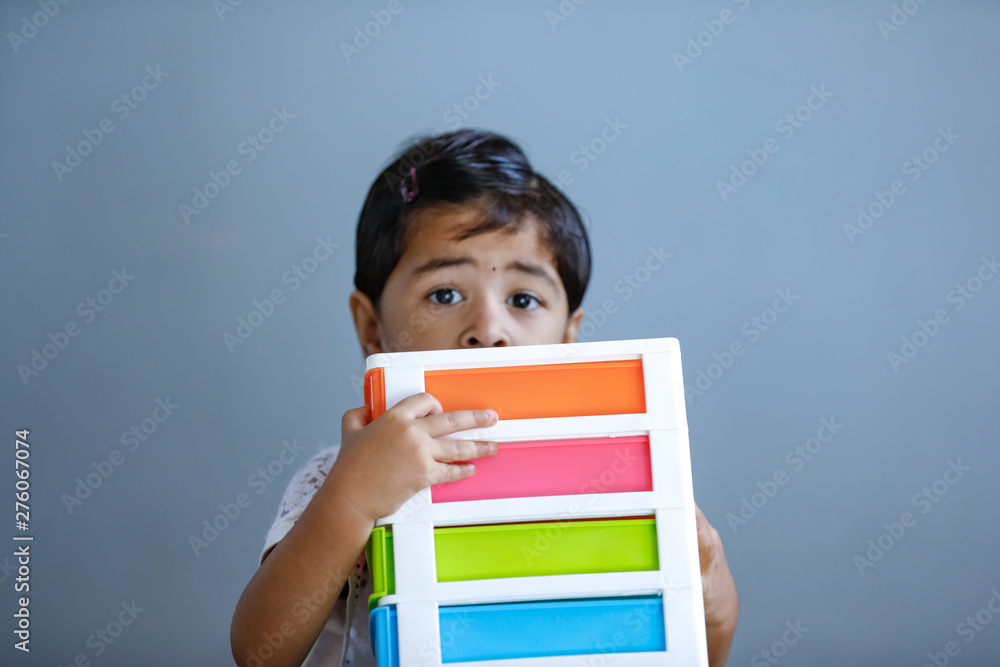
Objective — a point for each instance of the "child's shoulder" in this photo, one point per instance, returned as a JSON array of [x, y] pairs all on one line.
[[316, 467], [307, 480]]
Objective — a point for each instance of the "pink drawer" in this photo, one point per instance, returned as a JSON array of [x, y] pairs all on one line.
[[555, 468]]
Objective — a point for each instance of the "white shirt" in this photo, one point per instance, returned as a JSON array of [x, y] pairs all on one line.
[[332, 648]]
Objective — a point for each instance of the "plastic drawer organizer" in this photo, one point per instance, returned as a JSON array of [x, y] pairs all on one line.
[[576, 544]]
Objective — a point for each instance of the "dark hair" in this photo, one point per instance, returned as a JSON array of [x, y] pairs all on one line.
[[474, 168]]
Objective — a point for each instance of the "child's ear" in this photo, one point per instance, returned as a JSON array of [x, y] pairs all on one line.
[[573, 326], [366, 323]]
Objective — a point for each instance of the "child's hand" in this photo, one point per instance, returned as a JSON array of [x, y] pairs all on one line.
[[383, 463], [722, 606]]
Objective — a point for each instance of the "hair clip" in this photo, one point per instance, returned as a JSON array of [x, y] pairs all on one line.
[[410, 194]]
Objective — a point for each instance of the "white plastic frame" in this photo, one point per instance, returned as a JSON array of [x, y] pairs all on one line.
[[417, 593]]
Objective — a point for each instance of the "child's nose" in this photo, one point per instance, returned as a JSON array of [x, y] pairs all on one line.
[[486, 328]]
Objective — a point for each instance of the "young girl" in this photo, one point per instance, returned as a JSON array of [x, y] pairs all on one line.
[[459, 244]]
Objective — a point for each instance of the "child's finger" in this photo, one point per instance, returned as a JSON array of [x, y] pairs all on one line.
[[447, 423], [463, 450], [452, 472], [417, 406]]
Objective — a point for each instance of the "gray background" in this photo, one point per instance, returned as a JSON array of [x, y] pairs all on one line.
[[826, 357]]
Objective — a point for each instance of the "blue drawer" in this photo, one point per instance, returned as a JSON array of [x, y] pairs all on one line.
[[533, 629]]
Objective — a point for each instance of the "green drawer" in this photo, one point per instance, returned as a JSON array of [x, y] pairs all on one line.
[[465, 553]]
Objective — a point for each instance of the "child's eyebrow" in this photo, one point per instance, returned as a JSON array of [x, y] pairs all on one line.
[[532, 270], [436, 263]]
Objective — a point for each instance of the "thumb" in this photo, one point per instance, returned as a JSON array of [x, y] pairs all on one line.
[[708, 540], [354, 420]]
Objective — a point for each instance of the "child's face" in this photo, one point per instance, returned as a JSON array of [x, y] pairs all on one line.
[[493, 289]]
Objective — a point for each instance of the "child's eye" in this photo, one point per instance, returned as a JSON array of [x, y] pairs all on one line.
[[445, 296], [524, 300]]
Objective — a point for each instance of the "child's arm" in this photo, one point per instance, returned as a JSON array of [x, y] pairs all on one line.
[[722, 606], [380, 466]]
